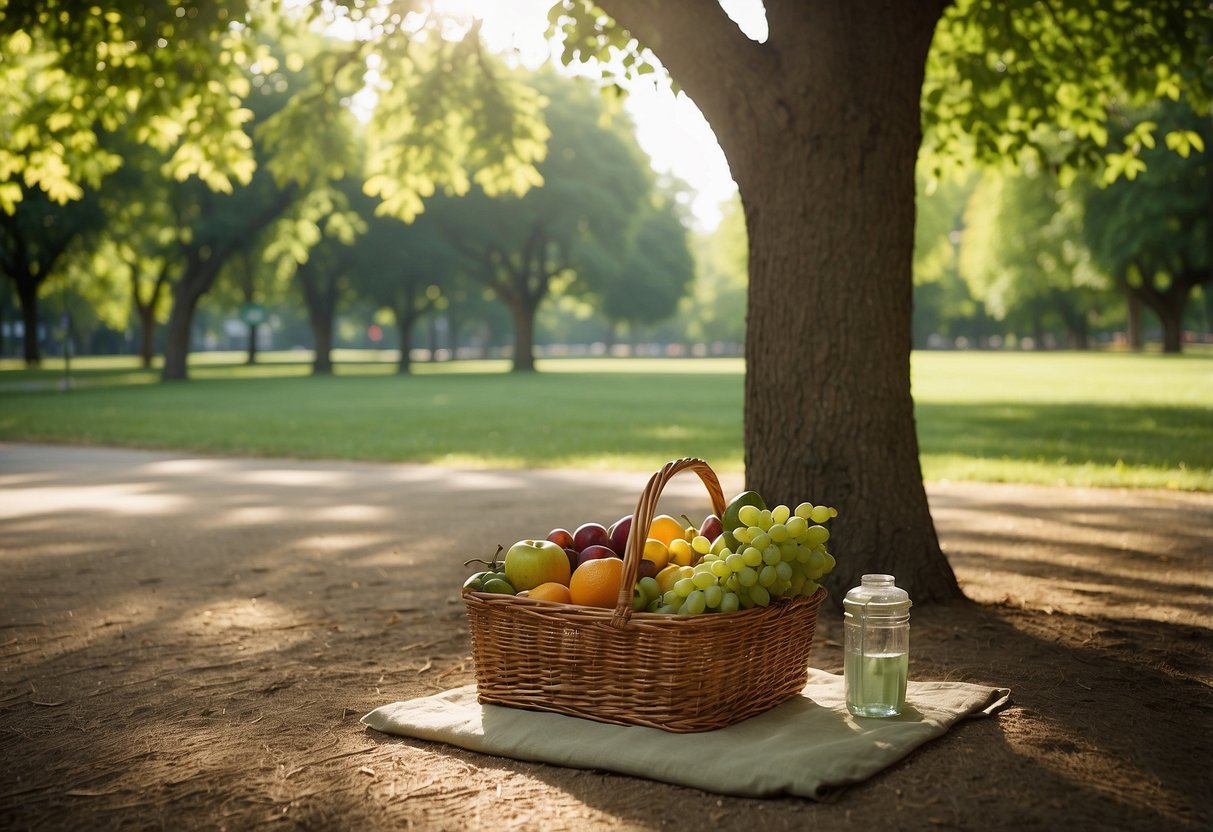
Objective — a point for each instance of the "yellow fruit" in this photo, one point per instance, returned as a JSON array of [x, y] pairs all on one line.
[[657, 552], [681, 552], [666, 529], [668, 576]]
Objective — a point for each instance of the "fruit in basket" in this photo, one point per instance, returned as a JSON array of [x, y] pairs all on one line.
[[551, 591], [497, 585], [768, 555], [711, 528], [666, 529], [618, 533], [596, 583], [657, 552], [590, 534], [475, 581], [529, 563], [562, 538], [681, 552], [595, 552], [730, 518]]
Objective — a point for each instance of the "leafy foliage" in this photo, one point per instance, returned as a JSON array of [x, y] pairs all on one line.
[[1005, 81]]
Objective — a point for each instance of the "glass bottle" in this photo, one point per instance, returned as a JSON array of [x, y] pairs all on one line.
[[876, 642]]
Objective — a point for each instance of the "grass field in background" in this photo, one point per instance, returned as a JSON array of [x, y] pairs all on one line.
[[1107, 419]]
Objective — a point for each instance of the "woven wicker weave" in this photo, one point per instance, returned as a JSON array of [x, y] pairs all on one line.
[[677, 673]]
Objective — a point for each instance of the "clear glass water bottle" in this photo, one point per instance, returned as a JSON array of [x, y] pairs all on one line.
[[876, 641]]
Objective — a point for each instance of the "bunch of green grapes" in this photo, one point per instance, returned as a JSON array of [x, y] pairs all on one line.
[[776, 553]]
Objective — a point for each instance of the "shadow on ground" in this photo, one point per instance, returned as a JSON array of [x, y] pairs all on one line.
[[189, 642]]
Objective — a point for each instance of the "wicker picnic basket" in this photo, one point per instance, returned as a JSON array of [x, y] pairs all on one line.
[[676, 673]]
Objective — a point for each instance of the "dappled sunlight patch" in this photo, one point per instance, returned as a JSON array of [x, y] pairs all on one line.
[[294, 477], [350, 514], [124, 499], [253, 515], [190, 467], [251, 615]]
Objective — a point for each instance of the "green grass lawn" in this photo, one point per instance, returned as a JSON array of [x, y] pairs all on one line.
[[1107, 419]]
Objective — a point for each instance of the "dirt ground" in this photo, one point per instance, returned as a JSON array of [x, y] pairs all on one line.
[[189, 642]]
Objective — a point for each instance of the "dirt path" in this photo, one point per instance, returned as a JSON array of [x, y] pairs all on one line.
[[189, 642]]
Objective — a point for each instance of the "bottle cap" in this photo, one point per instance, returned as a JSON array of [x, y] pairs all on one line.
[[877, 595]]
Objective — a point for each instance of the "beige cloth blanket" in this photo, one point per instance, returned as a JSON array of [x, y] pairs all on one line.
[[803, 746]]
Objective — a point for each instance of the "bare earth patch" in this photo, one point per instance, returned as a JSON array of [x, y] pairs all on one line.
[[189, 642]]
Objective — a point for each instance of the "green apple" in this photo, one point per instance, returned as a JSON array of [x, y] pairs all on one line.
[[529, 563]]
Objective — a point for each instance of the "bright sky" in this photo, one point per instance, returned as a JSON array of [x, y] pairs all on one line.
[[670, 128]]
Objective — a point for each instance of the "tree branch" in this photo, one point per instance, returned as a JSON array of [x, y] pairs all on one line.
[[682, 32]]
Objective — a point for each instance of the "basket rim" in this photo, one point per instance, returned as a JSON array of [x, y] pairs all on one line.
[[582, 613]]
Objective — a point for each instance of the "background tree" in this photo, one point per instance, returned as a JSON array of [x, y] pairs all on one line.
[[647, 284], [316, 247], [716, 307], [409, 269], [1021, 254], [1152, 232], [594, 186], [944, 308], [34, 240]]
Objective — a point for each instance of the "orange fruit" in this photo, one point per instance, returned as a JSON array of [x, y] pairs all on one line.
[[596, 583], [551, 591], [665, 528]]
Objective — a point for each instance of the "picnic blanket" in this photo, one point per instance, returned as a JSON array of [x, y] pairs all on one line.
[[804, 746]]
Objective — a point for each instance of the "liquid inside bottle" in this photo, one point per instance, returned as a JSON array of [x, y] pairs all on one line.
[[877, 642]]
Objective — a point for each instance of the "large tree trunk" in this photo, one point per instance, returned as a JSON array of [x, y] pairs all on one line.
[[821, 128], [320, 297], [322, 338], [523, 310], [405, 313], [201, 269], [1171, 320], [27, 297], [147, 335], [252, 345]]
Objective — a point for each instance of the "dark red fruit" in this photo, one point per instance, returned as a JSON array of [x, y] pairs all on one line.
[[590, 534], [562, 538], [618, 533], [594, 552]]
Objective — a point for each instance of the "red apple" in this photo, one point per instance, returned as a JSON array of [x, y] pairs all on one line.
[[618, 532], [574, 557], [711, 527], [590, 534], [647, 569], [562, 538], [594, 552]]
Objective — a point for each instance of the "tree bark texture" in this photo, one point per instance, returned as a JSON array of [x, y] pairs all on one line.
[[821, 128]]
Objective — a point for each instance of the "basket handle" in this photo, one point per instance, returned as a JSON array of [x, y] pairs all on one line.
[[646, 509]]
